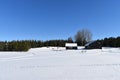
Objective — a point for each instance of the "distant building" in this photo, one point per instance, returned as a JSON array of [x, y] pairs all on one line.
[[93, 45], [71, 46]]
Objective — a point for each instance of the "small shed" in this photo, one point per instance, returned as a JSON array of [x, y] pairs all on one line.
[[71, 46], [93, 45]]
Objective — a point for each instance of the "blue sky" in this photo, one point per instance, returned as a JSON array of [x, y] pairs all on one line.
[[58, 19]]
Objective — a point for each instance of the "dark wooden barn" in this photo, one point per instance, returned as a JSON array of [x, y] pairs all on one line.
[[93, 45]]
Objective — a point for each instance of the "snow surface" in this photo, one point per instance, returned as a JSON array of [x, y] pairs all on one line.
[[71, 44], [56, 63]]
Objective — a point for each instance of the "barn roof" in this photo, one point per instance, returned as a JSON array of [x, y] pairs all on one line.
[[89, 43], [71, 44]]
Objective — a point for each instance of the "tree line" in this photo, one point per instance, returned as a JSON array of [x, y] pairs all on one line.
[[25, 45], [110, 42], [81, 38]]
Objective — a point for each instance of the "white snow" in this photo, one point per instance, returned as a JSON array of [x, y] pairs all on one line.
[[56, 63], [71, 44], [89, 43]]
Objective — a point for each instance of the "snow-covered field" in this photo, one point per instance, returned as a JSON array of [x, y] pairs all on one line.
[[60, 64]]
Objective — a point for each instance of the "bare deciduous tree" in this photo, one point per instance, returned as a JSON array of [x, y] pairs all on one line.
[[83, 36]]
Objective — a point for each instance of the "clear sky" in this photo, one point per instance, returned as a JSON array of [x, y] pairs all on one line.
[[58, 19]]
